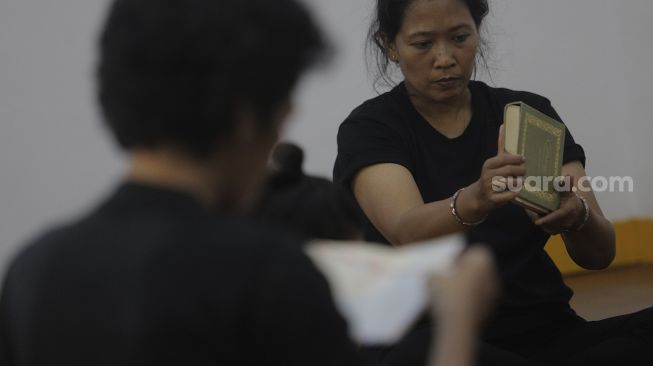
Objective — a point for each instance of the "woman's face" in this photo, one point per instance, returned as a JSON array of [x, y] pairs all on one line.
[[436, 49]]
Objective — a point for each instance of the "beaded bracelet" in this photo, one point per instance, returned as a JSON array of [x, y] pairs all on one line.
[[455, 213]]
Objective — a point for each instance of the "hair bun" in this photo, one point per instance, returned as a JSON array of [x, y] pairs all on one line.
[[287, 162]]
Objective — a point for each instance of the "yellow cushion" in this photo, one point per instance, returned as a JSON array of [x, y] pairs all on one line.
[[634, 246]]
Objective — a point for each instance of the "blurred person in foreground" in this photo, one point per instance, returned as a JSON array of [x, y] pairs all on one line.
[[163, 271]]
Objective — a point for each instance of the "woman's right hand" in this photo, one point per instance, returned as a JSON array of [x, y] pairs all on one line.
[[500, 182]]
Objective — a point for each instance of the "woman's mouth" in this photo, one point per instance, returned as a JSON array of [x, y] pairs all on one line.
[[447, 82]]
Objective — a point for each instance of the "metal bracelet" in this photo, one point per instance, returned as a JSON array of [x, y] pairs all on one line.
[[586, 216], [454, 198]]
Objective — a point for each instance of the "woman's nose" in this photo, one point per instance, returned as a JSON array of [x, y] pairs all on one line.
[[443, 57]]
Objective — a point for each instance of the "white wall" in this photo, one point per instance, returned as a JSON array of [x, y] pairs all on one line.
[[54, 158], [590, 57]]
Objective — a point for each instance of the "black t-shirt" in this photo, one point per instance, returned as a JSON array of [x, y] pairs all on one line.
[[388, 129], [153, 278]]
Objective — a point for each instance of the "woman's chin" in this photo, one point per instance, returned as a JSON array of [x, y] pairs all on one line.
[[450, 95]]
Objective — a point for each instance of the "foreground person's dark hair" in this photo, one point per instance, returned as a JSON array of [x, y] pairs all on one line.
[[172, 72]]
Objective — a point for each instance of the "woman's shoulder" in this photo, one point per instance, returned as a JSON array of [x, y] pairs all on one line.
[[503, 96], [382, 108]]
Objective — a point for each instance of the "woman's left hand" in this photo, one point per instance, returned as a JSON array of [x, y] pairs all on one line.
[[591, 240], [567, 217]]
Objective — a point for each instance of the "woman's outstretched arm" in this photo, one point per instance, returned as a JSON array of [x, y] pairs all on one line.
[[390, 198]]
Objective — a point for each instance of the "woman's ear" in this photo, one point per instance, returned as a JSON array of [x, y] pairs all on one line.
[[389, 46]]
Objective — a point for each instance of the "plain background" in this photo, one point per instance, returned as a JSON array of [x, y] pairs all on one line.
[[592, 58]]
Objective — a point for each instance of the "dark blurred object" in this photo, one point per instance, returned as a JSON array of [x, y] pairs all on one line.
[[311, 207]]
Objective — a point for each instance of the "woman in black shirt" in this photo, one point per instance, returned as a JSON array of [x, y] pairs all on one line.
[[421, 161]]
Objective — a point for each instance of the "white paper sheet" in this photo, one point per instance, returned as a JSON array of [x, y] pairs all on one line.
[[382, 290]]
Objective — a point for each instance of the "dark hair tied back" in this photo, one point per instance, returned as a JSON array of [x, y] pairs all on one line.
[[287, 161], [308, 206]]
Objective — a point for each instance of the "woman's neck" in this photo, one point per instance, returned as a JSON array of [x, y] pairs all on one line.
[[450, 117]]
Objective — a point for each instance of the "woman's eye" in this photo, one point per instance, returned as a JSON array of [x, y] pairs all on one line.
[[461, 38], [422, 45]]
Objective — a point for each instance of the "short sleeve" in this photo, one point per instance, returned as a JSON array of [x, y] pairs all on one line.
[[363, 142], [573, 151], [298, 321]]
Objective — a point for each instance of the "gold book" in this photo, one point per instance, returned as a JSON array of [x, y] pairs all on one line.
[[541, 139]]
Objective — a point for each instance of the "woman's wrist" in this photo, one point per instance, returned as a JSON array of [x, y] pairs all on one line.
[[475, 202], [465, 207], [583, 217]]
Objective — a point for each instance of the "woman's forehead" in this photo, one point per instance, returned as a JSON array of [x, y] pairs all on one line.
[[436, 16]]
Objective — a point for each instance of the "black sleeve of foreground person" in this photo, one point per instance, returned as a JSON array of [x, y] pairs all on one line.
[[299, 321], [4, 339]]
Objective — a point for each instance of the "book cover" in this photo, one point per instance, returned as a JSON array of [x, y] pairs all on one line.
[[541, 139]]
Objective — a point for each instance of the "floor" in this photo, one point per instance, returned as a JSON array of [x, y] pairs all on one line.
[[612, 292]]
